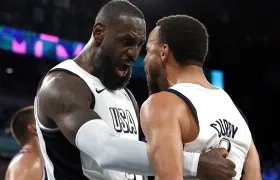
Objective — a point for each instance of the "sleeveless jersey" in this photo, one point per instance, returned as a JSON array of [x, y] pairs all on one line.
[[63, 160], [221, 124]]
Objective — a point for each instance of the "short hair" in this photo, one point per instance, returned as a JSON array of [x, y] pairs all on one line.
[[19, 124], [111, 11], [186, 37]]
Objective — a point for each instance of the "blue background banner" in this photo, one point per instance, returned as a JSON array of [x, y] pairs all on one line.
[[52, 47]]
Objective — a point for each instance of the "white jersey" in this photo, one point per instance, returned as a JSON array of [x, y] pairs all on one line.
[[220, 123], [65, 161]]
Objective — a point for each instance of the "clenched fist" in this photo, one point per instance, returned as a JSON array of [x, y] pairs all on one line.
[[213, 165]]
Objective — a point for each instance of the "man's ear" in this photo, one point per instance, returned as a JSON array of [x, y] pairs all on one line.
[[98, 33], [164, 53]]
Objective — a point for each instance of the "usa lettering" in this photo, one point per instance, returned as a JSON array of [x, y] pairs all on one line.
[[224, 128], [123, 121]]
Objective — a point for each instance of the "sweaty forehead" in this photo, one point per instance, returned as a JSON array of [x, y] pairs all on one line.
[[128, 24]]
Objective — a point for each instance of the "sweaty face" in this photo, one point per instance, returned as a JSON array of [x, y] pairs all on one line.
[[119, 51], [154, 66]]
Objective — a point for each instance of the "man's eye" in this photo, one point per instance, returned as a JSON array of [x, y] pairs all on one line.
[[129, 42]]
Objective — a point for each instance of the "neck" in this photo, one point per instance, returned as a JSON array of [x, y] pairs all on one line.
[[33, 146], [86, 58], [187, 74]]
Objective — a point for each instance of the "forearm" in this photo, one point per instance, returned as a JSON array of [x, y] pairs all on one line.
[[166, 153], [190, 166], [97, 140]]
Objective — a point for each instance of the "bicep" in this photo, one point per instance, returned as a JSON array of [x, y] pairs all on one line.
[[165, 146], [67, 103], [70, 122], [160, 120], [159, 131], [162, 129]]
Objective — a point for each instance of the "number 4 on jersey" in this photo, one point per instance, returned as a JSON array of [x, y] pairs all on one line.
[[225, 143]]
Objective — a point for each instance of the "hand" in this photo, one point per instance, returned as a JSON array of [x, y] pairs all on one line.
[[213, 165]]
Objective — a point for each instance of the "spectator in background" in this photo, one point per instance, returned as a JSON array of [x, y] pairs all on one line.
[[28, 162]]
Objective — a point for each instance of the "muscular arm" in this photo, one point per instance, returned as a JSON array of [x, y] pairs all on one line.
[[24, 167], [66, 100], [252, 165], [160, 116]]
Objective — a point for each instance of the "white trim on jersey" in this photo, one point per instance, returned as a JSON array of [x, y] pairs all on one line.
[[48, 163]]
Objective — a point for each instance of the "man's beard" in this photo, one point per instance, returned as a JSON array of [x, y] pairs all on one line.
[[156, 81], [105, 69]]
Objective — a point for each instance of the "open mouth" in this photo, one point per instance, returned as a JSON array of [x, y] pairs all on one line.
[[122, 69]]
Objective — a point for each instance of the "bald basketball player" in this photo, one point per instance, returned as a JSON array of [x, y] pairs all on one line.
[[28, 162], [87, 119], [184, 108]]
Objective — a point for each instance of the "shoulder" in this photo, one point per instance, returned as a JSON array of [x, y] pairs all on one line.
[[161, 107], [60, 89], [62, 82], [163, 101], [27, 163]]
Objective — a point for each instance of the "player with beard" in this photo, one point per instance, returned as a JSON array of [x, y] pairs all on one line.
[[184, 108], [87, 120]]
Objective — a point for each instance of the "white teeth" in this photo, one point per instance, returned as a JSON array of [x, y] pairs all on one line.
[[128, 64], [124, 72]]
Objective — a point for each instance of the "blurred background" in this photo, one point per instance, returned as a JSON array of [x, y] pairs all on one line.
[[35, 35]]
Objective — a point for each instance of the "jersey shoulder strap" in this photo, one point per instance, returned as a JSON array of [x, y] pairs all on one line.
[[242, 114], [137, 111], [134, 102], [136, 108]]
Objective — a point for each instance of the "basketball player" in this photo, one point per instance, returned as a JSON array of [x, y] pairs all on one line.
[[185, 108], [28, 162], [87, 123]]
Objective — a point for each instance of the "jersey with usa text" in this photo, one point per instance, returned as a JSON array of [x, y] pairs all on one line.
[[65, 161], [221, 124]]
